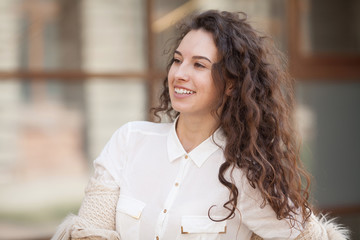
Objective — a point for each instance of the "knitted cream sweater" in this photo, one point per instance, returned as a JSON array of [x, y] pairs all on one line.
[[96, 219]]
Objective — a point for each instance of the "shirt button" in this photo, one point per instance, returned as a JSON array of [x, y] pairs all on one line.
[[186, 156], [176, 184], [165, 211]]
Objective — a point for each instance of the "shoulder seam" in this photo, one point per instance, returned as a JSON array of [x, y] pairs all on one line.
[[148, 132]]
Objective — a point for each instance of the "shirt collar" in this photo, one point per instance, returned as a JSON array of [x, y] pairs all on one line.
[[199, 154]]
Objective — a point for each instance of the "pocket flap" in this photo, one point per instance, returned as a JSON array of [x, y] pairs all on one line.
[[201, 224], [130, 206]]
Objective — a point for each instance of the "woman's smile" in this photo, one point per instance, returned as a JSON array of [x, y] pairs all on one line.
[[181, 92]]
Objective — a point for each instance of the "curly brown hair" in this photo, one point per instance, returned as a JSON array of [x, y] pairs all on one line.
[[257, 113]]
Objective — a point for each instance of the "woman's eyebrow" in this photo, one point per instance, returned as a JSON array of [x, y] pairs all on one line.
[[201, 57], [195, 57]]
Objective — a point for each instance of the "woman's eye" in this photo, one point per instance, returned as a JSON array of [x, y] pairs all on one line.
[[176, 60], [199, 65]]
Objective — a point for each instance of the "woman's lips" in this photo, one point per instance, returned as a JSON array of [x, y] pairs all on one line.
[[179, 90]]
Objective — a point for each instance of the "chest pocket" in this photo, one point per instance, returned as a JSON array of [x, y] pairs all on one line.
[[128, 217], [201, 228]]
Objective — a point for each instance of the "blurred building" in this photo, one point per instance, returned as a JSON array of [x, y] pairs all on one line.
[[72, 72]]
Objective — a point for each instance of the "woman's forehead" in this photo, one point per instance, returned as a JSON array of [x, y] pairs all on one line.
[[198, 42]]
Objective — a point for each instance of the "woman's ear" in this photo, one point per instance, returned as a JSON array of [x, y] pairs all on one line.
[[229, 88]]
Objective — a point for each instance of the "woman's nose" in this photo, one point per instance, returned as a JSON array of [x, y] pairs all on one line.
[[182, 72]]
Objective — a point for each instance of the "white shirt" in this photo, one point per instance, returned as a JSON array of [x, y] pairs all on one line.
[[166, 193]]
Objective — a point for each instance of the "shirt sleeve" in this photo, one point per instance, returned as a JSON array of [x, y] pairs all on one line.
[[262, 220], [108, 166]]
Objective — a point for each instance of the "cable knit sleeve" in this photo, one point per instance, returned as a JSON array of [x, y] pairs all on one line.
[[96, 217]]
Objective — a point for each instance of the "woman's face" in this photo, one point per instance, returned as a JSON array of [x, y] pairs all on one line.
[[191, 87]]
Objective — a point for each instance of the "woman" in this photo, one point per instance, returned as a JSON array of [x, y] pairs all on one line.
[[227, 167]]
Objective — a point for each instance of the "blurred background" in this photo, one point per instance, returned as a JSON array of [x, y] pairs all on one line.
[[72, 72]]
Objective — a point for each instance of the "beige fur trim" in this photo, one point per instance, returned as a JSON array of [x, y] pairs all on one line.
[[334, 231], [320, 228], [63, 231]]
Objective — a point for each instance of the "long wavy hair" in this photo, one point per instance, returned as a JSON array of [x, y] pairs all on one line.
[[256, 116]]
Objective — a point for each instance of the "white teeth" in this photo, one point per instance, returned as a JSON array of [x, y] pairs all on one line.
[[183, 91]]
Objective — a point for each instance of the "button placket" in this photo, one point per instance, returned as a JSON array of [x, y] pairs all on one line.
[[161, 223]]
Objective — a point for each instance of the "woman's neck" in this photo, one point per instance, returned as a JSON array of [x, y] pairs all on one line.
[[192, 131]]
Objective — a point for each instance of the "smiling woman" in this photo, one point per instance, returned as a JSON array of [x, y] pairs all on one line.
[[227, 167], [191, 87]]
